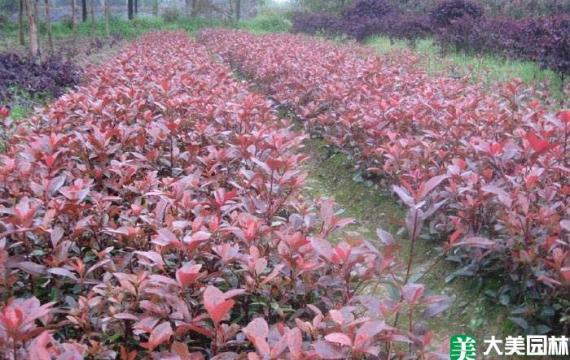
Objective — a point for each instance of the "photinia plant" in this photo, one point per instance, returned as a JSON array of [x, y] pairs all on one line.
[[484, 171], [156, 212]]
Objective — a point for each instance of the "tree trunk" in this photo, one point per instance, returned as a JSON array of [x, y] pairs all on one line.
[[21, 23], [37, 16], [238, 10], [73, 19], [136, 7], [107, 18], [155, 7], [33, 27], [92, 13], [84, 10], [48, 25], [130, 9], [194, 11]]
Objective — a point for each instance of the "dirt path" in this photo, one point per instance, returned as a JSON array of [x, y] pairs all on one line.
[[333, 175]]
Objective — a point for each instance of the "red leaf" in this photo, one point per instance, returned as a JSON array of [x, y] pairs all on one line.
[[502, 195], [159, 335], [431, 184], [188, 274], [404, 195], [339, 338], [257, 331], [368, 331], [327, 350], [322, 247], [295, 342], [413, 292], [217, 305], [539, 145], [165, 237], [565, 271]]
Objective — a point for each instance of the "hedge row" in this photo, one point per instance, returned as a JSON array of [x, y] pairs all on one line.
[[457, 24], [486, 173], [156, 213]]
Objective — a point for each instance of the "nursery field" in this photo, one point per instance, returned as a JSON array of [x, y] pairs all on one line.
[[157, 211], [187, 193], [484, 172]]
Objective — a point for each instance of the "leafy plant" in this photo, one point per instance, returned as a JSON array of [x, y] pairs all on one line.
[[367, 9], [50, 77], [483, 171], [156, 212], [448, 11]]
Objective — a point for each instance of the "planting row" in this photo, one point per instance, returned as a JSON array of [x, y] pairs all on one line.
[[487, 173], [456, 24], [156, 213]]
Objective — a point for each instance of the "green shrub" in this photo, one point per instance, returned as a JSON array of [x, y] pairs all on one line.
[[267, 21], [170, 15]]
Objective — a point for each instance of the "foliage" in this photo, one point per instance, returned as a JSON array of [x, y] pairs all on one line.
[[395, 26], [49, 77], [458, 25], [485, 172], [545, 40], [267, 21], [156, 213], [170, 15], [548, 41], [501, 8], [313, 23], [367, 9], [448, 11], [485, 69]]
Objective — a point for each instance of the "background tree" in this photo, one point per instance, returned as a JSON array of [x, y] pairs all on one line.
[[48, 25], [130, 9], [74, 19], [84, 10], [31, 10], [21, 22], [155, 7], [92, 13], [107, 10], [191, 7], [238, 10], [194, 8]]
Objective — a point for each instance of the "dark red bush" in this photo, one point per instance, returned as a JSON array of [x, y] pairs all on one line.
[[50, 77], [367, 9], [547, 40], [313, 23], [447, 11]]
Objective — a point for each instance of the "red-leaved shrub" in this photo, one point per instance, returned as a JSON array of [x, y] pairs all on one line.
[[156, 213], [485, 171]]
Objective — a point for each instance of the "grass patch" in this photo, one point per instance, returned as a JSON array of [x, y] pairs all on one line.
[[333, 174], [133, 28], [486, 68], [268, 21], [19, 112]]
